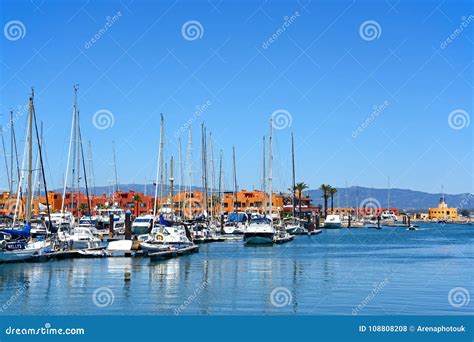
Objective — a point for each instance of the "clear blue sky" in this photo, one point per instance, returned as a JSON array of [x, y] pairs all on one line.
[[319, 68]]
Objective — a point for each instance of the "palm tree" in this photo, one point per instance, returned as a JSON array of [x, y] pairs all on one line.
[[332, 192], [82, 208], [325, 189], [299, 188], [137, 199]]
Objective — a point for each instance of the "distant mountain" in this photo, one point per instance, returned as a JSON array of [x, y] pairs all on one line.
[[399, 198]]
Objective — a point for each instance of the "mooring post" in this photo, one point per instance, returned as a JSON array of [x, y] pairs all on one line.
[[378, 221], [409, 221], [128, 225], [318, 221], [349, 221], [111, 224], [222, 223]]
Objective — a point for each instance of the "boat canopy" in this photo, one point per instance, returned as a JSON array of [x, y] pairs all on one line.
[[237, 217], [21, 233]]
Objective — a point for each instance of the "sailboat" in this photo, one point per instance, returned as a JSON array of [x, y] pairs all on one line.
[[260, 230], [17, 245]]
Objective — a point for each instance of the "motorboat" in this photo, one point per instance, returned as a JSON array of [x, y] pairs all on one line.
[[259, 232], [236, 223], [103, 219], [333, 222], [81, 238], [143, 224]]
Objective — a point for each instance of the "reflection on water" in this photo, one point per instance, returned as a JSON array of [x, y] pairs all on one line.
[[331, 273]]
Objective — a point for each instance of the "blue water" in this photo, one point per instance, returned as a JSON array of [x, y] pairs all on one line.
[[339, 272]]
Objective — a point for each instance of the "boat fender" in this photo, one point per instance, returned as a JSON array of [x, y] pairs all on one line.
[[159, 237]]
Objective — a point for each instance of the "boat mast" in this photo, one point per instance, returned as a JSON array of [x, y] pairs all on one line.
[[190, 175], [294, 176], [172, 187], [115, 172], [220, 181], [91, 168], [234, 179], [180, 162], [89, 204], [204, 169], [40, 153], [264, 179], [162, 159], [388, 196], [159, 177], [211, 165], [12, 182], [15, 150], [71, 139], [30, 161], [6, 162], [270, 171]]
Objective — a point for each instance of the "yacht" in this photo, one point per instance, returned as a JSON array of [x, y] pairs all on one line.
[[259, 232], [143, 224], [81, 238], [165, 236], [333, 222], [103, 219], [236, 223]]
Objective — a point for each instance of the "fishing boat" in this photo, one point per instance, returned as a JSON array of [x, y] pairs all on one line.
[[333, 222]]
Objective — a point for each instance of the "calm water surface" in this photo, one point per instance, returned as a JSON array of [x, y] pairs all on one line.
[[339, 272]]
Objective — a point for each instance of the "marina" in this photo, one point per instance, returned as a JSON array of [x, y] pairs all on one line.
[[328, 274]]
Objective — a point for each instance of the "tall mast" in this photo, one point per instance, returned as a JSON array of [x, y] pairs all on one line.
[[190, 170], [294, 175], [162, 158], [159, 169], [204, 170], [30, 161], [115, 170], [264, 179], [71, 139], [180, 162], [89, 204], [270, 171], [10, 185], [220, 180], [172, 187], [15, 150], [12, 182], [234, 179], [78, 166], [91, 167], [388, 196], [211, 165]]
